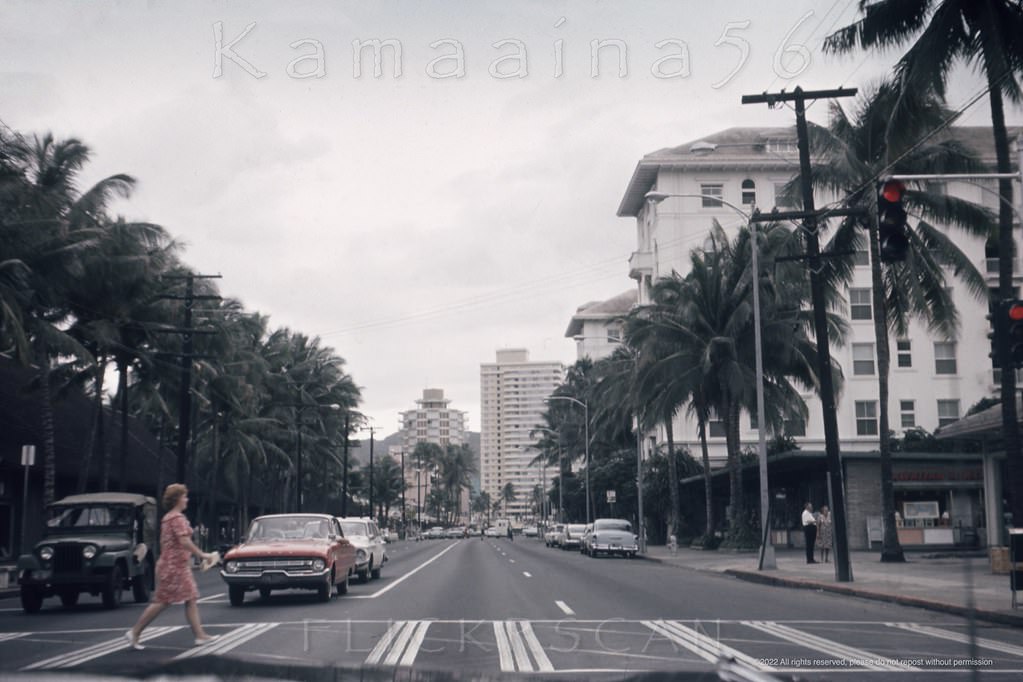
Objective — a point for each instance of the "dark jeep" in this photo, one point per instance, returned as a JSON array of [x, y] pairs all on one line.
[[100, 543]]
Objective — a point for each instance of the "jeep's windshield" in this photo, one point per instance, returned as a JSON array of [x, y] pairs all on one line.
[[89, 516]]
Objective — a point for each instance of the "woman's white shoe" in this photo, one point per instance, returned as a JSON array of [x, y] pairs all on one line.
[[132, 642], [199, 641]]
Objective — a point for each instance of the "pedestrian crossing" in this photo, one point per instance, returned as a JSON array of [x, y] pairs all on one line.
[[543, 646]]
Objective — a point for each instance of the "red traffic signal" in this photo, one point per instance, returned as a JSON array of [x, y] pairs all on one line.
[[1013, 320], [891, 221]]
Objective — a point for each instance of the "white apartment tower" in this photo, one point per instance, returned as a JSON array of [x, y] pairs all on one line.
[[512, 395], [431, 421], [933, 380]]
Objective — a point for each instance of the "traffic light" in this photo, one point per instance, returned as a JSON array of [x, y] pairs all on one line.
[[1007, 334], [891, 221], [1012, 312]]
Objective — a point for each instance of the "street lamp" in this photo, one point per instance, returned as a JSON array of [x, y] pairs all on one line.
[[561, 478], [767, 560], [586, 435], [299, 407]]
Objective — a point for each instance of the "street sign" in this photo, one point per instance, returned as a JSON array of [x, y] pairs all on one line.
[[611, 494], [28, 455]]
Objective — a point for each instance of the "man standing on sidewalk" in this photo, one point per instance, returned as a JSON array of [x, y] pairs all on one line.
[[809, 531]]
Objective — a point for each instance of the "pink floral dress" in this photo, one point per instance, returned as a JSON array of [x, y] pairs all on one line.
[[174, 581]]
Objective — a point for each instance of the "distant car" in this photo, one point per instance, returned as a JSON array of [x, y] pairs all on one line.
[[290, 551], [435, 533], [456, 532], [555, 535], [611, 536], [530, 532], [495, 532], [369, 545], [573, 536], [100, 543]]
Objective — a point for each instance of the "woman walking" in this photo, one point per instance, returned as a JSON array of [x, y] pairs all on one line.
[[824, 533], [174, 581]]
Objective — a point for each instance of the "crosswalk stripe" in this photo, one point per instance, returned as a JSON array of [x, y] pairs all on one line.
[[229, 641], [79, 656], [504, 652], [417, 641], [703, 646], [992, 644], [8, 636], [543, 663], [518, 647], [859, 657], [400, 642], [381, 648]]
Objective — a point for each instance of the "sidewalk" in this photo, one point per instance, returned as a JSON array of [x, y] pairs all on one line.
[[935, 582]]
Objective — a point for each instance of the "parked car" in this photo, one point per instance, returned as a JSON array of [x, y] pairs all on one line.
[[290, 551], [555, 535], [495, 532], [573, 537], [100, 543], [369, 545], [611, 536], [435, 533], [456, 532], [530, 532]]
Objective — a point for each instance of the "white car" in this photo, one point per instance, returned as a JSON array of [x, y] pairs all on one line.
[[530, 532], [369, 545]]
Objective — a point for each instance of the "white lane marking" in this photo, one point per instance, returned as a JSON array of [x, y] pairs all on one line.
[[512, 560], [565, 607], [212, 597], [79, 656], [417, 642], [858, 657], [400, 642], [384, 643], [527, 574], [8, 636], [703, 646], [993, 644], [504, 652], [408, 575], [518, 647], [543, 663], [230, 641]]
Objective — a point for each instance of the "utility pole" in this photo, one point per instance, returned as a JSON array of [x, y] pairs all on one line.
[[403, 520], [186, 357], [344, 475], [843, 570], [371, 472]]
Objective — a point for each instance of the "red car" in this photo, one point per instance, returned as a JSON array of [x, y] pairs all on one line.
[[290, 551]]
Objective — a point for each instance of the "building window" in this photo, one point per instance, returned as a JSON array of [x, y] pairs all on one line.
[[749, 192], [861, 257], [904, 351], [713, 190], [948, 412], [795, 427], [614, 334], [754, 421], [717, 428], [781, 199], [866, 418], [944, 357], [860, 305], [863, 359], [907, 410]]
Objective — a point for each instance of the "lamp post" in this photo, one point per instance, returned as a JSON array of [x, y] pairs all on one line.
[[561, 480], [586, 444], [299, 407], [404, 532], [767, 549]]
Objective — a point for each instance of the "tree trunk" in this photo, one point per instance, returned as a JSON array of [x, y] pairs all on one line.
[[49, 439], [891, 550], [669, 431], [101, 440], [707, 481], [731, 418], [122, 393]]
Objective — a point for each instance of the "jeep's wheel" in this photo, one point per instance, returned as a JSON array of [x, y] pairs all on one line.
[[342, 587], [264, 593], [69, 598], [374, 571], [114, 588], [140, 584], [236, 595], [31, 599]]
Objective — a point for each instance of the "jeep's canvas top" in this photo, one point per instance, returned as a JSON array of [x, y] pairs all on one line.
[[106, 498]]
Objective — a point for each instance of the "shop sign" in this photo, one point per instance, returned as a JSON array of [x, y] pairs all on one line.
[[939, 475]]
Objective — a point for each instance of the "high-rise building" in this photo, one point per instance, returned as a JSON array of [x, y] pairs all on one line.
[[431, 421], [513, 392]]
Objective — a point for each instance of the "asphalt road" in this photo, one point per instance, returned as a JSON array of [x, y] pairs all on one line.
[[498, 606]]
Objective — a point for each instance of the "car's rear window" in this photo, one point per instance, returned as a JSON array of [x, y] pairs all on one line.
[[613, 525]]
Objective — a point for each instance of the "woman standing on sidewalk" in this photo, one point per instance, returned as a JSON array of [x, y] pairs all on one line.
[[824, 532], [174, 581]]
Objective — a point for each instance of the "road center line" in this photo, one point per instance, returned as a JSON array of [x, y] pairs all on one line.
[[527, 574], [565, 607], [404, 577]]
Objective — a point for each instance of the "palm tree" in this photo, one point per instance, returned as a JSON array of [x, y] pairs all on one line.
[[859, 148], [481, 504], [456, 468], [507, 496], [943, 33]]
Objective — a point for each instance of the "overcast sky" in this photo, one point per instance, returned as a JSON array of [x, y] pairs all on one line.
[[415, 222]]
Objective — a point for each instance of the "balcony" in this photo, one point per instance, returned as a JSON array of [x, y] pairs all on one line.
[[990, 267], [641, 263]]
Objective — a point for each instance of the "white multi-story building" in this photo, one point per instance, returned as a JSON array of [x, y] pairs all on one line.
[[513, 391], [431, 421], [596, 326], [933, 380]]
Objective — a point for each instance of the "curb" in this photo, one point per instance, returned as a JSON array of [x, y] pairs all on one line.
[[942, 607]]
